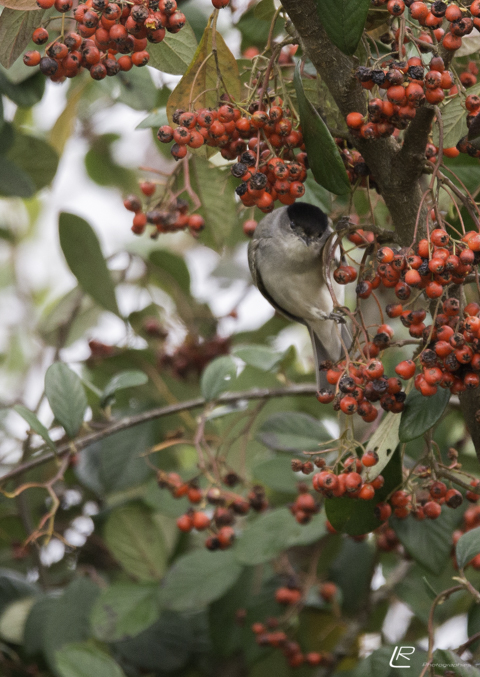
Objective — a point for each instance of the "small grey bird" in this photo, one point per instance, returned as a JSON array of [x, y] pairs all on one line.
[[286, 258]]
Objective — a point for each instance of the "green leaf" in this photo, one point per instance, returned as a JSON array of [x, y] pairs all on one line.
[[172, 272], [454, 120], [163, 502], [429, 542], [258, 356], [35, 425], [124, 610], [81, 249], [198, 578], [272, 533], [34, 630], [126, 379], [156, 119], [81, 659], [14, 182], [25, 94], [344, 21], [66, 397], [276, 474], [102, 168], [421, 413], [354, 581], [137, 89], [326, 164], [14, 618], [68, 619], [13, 587], [292, 431], [474, 624], [20, 4], [467, 547], [199, 82], [356, 517], [378, 664], [136, 542], [264, 10], [15, 33], [451, 661], [217, 377], [175, 53], [384, 441]]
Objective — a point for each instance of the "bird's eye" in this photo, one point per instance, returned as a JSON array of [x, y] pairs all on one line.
[[292, 225]]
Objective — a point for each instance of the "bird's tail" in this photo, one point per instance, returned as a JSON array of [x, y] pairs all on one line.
[[327, 345]]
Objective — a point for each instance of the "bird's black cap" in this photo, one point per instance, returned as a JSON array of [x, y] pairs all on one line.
[[307, 219]]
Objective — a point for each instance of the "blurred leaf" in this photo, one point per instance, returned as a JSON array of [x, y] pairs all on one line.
[[126, 379], [163, 502], [66, 397], [16, 30], [136, 542], [13, 587], [175, 53], [68, 318], [102, 168], [264, 10], [19, 4], [7, 135], [64, 125], [217, 196], [467, 547], [258, 356], [25, 94], [428, 542], [470, 44], [254, 31], [448, 659], [317, 195], [272, 533], [35, 425], [168, 645], [354, 581], [156, 119], [276, 474], [14, 618], [124, 610], [34, 630], [325, 160], [378, 664], [137, 89], [114, 464], [13, 181], [421, 413], [344, 21], [454, 121], [68, 619], [474, 624], [85, 259], [82, 659], [356, 517], [199, 83], [292, 431], [168, 268], [384, 441], [35, 157], [198, 578], [217, 377]]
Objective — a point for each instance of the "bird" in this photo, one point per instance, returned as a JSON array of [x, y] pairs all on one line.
[[287, 260]]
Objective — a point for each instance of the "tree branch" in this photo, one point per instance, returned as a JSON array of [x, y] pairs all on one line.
[[159, 412]]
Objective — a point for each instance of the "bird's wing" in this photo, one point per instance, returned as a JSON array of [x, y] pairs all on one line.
[[254, 250]]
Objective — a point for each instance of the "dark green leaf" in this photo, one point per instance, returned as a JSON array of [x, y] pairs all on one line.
[[276, 474], [429, 542], [126, 379], [15, 33], [82, 659], [35, 157], [13, 586], [137, 89], [85, 259], [292, 431], [356, 517], [171, 270], [124, 610], [326, 164], [35, 425], [175, 53], [68, 619], [354, 581], [102, 168], [421, 413], [264, 10], [344, 21], [136, 542], [25, 94], [273, 533], [14, 182], [258, 356], [156, 119], [66, 397], [474, 624], [34, 631], [198, 578], [378, 663], [217, 377], [467, 547], [7, 136]]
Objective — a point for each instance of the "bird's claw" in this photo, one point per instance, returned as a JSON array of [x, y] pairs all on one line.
[[335, 316]]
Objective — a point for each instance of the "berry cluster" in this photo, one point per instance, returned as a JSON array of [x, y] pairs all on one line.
[[165, 219], [193, 355], [472, 104], [350, 482], [406, 87], [262, 142], [227, 506], [104, 30]]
